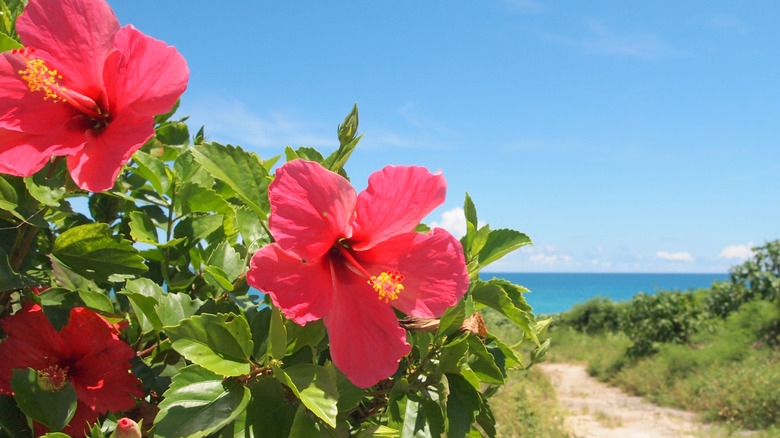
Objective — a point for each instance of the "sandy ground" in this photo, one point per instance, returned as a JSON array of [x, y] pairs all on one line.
[[594, 409]]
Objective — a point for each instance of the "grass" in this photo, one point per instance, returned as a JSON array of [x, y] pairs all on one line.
[[528, 407]]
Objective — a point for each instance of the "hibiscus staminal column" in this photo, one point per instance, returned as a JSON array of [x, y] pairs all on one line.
[[351, 259], [53, 377]]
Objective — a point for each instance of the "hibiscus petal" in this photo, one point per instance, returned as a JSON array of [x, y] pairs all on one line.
[[23, 110], [78, 34], [396, 200], [311, 208], [433, 266], [144, 75], [96, 166], [366, 342], [23, 154], [31, 342], [100, 363], [81, 421], [304, 291]]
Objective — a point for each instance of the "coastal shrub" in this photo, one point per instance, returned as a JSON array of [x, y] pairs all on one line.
[[761, 275], [665, 317], [593, 316], [723, 298]]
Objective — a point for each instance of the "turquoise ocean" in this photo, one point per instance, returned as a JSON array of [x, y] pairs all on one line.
[[554, 293]]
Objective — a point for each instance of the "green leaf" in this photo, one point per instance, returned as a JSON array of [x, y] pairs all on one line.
[[187, 169], [221, 343], [378, 431], [452, 353], [277, 335], [194, 198], [144, 294], [499, 243], [227, 259], [173, 133], [53, 409], [198, 403], [483, 363], [470, 211], [304, 426], [252, 231], [96, 300], [91, 251], [416, 423], [463, 405], [508, 299], [12, 420], [152, 170], [142, 228], [239, 169], [452, 319], [272, 416], [174, 307], [8, 278], [48, 186], [7, 43], [194, 229], [217, 278], [315, 386]]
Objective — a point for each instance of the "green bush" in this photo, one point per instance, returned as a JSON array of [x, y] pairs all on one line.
[[593, 316], [665, 317]]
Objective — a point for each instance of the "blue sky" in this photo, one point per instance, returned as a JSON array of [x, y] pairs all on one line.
[[620, 136]]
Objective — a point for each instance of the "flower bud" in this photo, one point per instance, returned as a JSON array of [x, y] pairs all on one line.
[[127, 428]]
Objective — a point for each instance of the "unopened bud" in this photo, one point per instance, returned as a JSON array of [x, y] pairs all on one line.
[[127, 428]]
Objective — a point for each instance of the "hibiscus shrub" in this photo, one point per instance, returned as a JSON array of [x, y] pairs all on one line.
[[200, 290]]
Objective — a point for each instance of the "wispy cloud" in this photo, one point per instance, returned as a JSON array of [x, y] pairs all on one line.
[[601, 40], [523, 6], [638, 45], [233, 122], [742, 252], [675, 256], [420, 131], [726, 23]]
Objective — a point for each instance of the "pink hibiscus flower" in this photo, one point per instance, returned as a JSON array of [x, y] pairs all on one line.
[[349, 259], [87, 352], [84, 88]]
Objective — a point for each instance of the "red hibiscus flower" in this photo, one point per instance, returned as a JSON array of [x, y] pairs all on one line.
[[84, 88], [87, 352], [350, 259]]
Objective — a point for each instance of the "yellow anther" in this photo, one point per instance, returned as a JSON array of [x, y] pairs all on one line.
[[40, 78], [388, 285]]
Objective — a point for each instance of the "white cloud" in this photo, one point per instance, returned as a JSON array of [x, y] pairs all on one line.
[[676, 256], [453, 221], [742, 252]]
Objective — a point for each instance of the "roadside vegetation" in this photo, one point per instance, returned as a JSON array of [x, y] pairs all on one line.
[[714, 351]]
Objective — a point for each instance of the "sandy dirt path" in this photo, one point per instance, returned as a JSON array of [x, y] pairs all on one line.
[[594, 409]]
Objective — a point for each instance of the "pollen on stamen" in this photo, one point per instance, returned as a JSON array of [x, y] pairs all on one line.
[[387, 285], [40, 78]]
